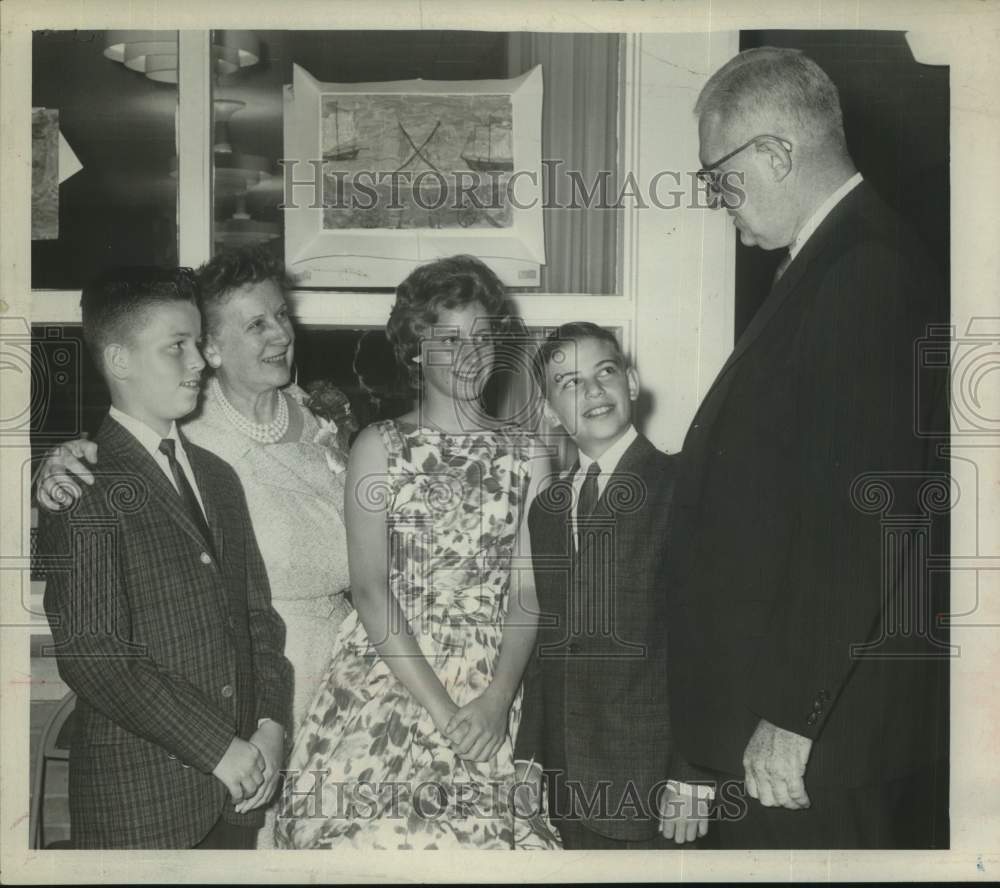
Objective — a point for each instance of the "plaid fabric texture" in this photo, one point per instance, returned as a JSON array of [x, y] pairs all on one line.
[[171, 652]]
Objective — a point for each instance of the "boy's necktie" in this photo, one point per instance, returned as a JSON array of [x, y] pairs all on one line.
[[588, 493], [186, 492]]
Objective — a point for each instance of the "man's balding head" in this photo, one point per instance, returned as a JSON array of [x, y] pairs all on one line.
[[777, 91], [771, 120]]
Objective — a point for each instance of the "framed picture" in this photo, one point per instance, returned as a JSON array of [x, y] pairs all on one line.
[[382, 177]]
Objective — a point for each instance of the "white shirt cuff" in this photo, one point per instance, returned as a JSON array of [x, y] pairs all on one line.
[[702, 791]]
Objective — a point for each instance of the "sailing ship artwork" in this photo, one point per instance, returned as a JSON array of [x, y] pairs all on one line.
[[340, 136], [490, 147], [405, 161]]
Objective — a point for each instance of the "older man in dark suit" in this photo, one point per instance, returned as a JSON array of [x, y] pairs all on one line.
[[797, 666]]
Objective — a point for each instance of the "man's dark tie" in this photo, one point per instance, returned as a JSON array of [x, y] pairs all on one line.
[[588, 493], [186, 491]]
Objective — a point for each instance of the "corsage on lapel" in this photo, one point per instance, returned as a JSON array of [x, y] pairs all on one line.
[[327, 438], [337, 425]]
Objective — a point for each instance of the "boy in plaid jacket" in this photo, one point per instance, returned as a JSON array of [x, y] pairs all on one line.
[[162, 619]]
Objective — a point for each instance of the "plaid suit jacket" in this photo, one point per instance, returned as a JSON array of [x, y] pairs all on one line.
[[171, 650]]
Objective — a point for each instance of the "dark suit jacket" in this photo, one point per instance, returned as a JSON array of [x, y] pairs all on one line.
[[595, 702], [171, 652], [777, 567]]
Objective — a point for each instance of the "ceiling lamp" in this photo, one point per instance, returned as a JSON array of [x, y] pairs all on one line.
[[242, 229], [234, 172], [154, 53]]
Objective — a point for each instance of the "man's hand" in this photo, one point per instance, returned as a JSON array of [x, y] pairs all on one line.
[[269, 738], [56, 488], [683, 815], [775, 765], [477, 731], [527, 789], [241, 769]]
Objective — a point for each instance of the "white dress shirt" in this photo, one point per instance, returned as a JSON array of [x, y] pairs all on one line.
[[608, 461], [822, 211], [150, 441]]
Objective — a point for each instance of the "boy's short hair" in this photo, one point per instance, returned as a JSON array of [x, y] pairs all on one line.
[[572, 332], [114, 305]]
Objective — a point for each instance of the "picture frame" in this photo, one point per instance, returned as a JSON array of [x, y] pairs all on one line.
[[380, 178]]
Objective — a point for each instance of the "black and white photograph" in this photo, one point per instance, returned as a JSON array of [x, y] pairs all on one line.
[[564, 428]]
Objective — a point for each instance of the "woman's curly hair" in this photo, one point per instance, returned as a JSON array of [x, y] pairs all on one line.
[[233, 269], [450, 283]]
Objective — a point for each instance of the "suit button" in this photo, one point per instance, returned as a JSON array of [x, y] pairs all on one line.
[[812, 719], [171, 756], [227, 691], [205, 558]]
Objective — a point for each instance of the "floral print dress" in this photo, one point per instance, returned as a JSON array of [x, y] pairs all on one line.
[[369, 768]]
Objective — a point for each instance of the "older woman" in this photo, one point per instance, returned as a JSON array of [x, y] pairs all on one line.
[[291, 463]]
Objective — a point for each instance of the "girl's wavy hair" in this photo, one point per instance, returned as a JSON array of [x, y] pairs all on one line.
[[450, 283]]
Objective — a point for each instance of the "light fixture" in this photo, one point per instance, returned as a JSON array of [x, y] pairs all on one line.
[[154, 53], [242, 229], [234, 172]]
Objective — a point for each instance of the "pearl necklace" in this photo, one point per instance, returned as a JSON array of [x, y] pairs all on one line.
[[265, 433]]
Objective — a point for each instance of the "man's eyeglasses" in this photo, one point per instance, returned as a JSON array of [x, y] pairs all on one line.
[[710, 174]]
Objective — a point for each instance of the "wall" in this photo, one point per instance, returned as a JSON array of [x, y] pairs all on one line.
[[678, 263]]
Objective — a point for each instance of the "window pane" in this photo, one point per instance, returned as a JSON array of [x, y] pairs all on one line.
[[120, 207], [579, 126], [248, 106]]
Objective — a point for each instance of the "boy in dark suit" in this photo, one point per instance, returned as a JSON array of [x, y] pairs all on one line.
[[162, 623], [595, 710]]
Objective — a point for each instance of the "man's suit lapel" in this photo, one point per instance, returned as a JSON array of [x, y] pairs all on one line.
[[787, 283], [134, 458]]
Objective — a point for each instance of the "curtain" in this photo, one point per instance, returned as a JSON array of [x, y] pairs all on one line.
[[579, 128]]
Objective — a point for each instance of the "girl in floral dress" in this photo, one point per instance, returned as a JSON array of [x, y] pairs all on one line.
[[409, 741]]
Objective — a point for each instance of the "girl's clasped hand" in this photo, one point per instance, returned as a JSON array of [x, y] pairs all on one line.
[[477, 730]]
